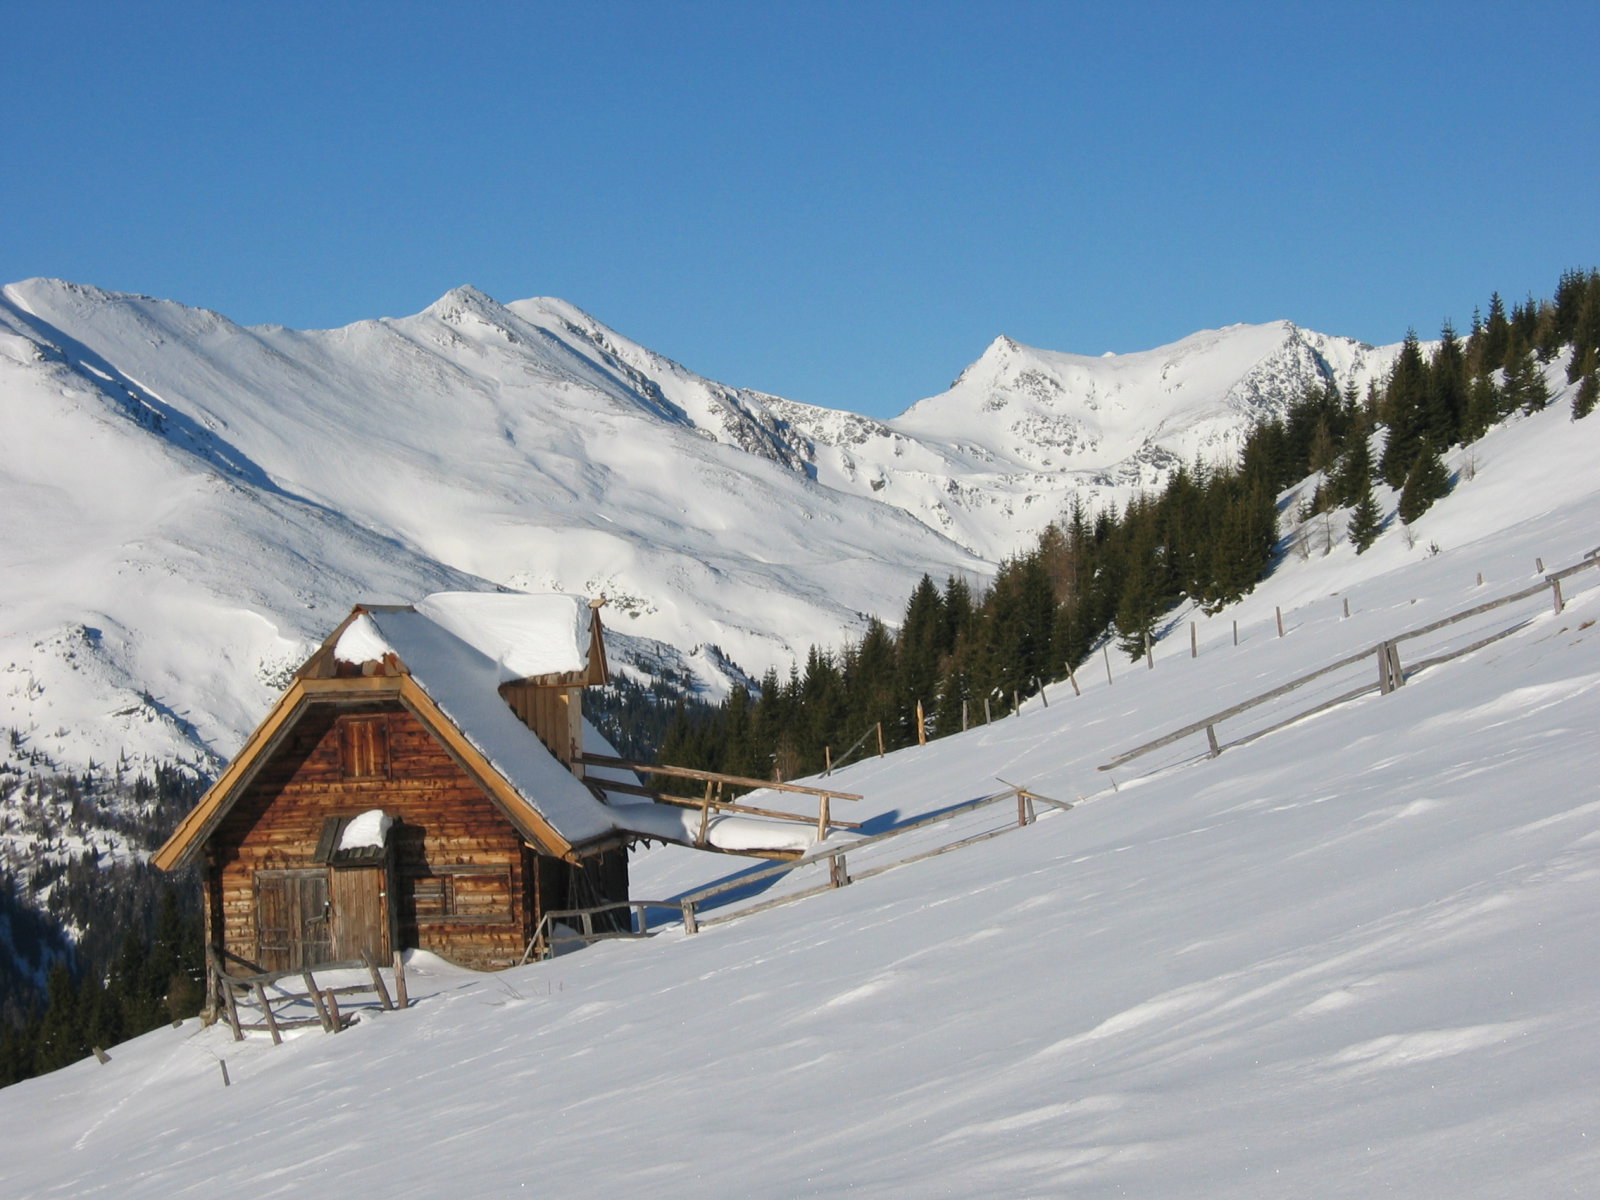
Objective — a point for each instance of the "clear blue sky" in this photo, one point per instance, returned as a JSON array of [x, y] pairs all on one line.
[[840, 203]]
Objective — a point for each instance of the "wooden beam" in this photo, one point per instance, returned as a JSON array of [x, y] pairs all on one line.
[[606, 760]]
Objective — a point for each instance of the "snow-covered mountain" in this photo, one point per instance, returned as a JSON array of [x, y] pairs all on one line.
[[193, 504], [1354, 957]]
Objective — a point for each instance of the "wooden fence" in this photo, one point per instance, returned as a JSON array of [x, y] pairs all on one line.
[[1391, 674], [838, 869], [549, 933], [259, 990], [712, 800]]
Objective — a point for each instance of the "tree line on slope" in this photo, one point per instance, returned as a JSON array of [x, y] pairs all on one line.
[[962, 655], [95, 945]]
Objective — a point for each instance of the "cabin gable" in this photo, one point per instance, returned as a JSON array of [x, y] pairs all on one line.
[[456, 878], [402, 794]]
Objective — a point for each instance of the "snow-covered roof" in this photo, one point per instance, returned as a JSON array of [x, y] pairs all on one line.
[[512, 641], [524, 635]]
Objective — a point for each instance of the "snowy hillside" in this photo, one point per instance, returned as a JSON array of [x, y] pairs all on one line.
[[1354, 957], [194, 504]]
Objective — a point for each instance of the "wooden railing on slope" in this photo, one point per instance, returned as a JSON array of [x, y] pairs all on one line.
[[838, 870], [1391, 674], [712, 801], [229, 992], [545, 937]]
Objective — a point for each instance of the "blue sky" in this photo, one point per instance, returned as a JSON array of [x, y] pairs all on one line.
[[840, 203]]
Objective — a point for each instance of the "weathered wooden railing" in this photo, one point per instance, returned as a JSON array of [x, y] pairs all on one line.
[[838, 869], [712, 800], [545, 937], [1391, 674], [227, 992]]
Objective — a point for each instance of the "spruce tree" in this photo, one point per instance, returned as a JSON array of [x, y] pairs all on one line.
[[1588, 391], [1446, 403], [1403, 411], [1366, 522], [1427, 481]]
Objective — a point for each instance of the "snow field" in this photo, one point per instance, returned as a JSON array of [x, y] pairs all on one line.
[[1355, 957]]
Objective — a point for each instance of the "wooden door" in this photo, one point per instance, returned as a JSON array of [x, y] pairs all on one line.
[[292, 919], [360, 915]]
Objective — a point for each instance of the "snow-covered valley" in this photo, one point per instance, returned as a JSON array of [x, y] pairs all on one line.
[[1356, 956]]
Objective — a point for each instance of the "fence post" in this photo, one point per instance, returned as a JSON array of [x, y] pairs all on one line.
[[1211, 737], [1279, 612], [689, 923], [1194, 642], [1555, 593], [922, 732], [1390, 673], [838, 873], [1106, 653]]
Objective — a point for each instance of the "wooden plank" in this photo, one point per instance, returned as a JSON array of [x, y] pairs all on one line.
[[377, 982], [266, 1011], [633, 789], [852, 846], [606, 760], [316, 1000]]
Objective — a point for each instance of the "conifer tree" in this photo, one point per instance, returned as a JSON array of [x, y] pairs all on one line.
[[1588, 391], [1427, 481], [1366, 522], [922, 646], [1585, 334], [1352, 477], [1446, 402], [1403, 411], [1483, 408]]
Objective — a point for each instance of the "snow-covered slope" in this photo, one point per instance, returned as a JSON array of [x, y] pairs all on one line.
[[1355, 957], [193, 504]]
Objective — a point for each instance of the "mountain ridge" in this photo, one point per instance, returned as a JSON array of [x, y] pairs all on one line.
[[261, 479]]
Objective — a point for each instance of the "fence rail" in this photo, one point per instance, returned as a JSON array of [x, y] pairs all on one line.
[[1391, 674], [227, 993], [838, 869], [546, 936], [712, 800]]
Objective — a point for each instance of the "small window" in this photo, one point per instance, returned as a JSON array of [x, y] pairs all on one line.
[[463, 894], [364, 747]]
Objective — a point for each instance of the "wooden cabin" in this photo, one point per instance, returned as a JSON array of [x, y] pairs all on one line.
[[419, 785]]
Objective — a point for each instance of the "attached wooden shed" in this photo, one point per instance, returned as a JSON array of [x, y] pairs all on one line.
[[420, 785]]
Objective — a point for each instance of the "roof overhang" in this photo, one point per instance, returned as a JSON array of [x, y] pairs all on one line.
[[202, 821]]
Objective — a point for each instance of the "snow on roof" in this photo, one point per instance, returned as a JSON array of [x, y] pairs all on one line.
[[526, 635], [368, 829], [460, 646], [727, 831], [361, 642], [463, 680]]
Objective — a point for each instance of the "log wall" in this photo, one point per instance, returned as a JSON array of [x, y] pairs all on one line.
[[467, 886]]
